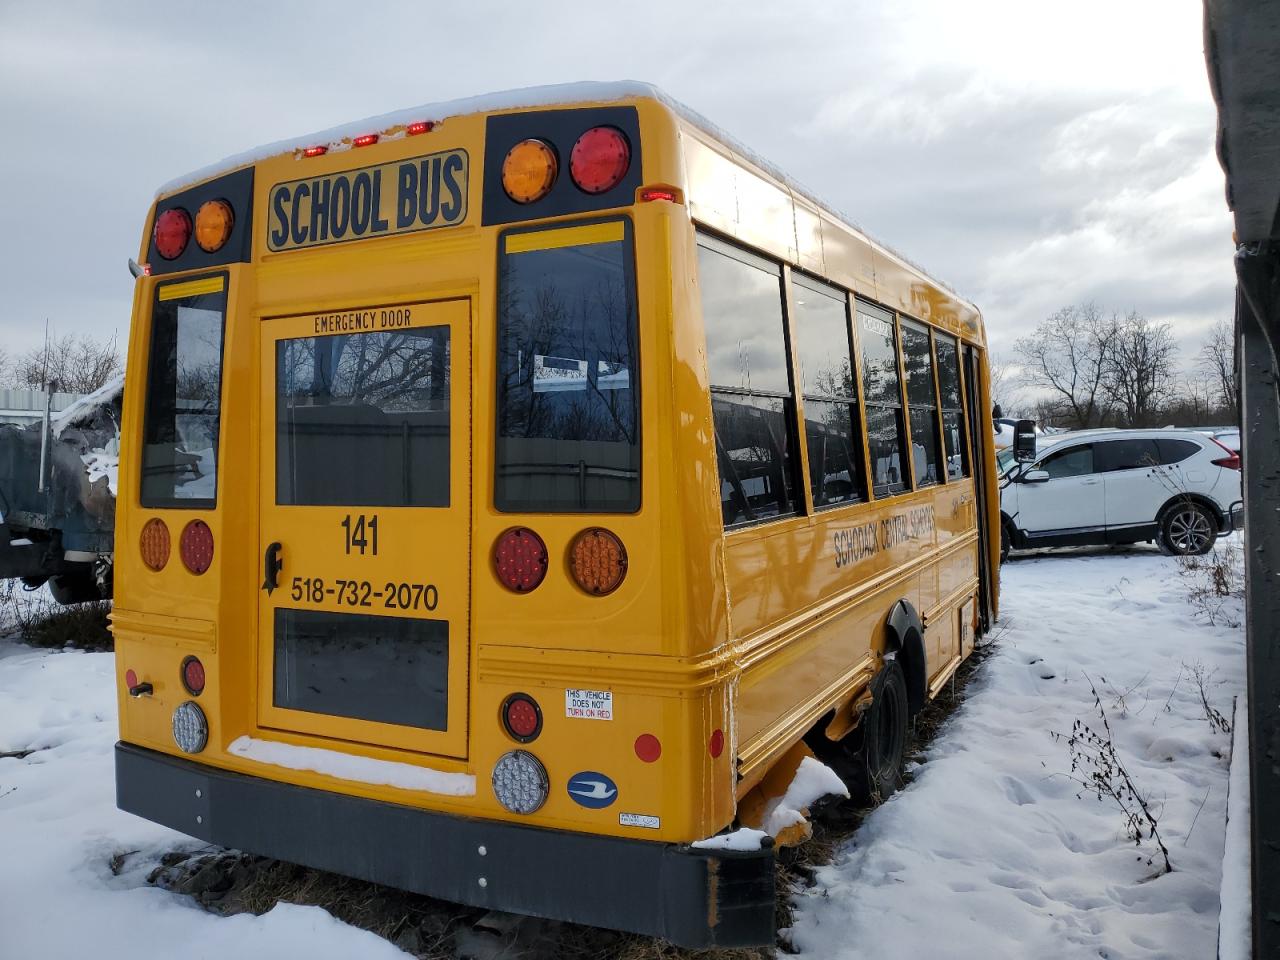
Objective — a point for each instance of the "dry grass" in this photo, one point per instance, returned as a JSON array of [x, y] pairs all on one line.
[[36, 620]]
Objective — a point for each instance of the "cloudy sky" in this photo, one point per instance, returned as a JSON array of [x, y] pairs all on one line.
[[1032, 155]]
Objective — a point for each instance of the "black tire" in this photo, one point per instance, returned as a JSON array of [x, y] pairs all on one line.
[[1005, 545], [1187, 529], [72, 588], [874, 753]]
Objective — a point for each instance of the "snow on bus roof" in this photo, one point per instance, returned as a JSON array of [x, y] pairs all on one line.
[[339, 138]]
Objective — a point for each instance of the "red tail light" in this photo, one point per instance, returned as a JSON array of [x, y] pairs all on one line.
[[522, 717], [195, 546], [600, 159], [172, 233], [193, 676], [520, 559], [650, 194], [1231, 461]]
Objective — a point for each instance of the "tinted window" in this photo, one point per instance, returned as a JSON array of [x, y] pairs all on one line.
[[822, 339], [1075, 462], [568, 404], [884, 441], [830, 400], [751, 400], [755, 457], [948, 372], [184, 383], [879, 358], [957, 450], [384, 669], [926, 444], [380, 400], [1126, 455], [1175, 451], [881, 391], [747, 352]]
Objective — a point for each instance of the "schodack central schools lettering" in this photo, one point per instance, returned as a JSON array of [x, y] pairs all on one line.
[[400, 197]]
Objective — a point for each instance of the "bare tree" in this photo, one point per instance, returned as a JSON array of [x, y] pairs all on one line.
[[77, 363], [1066, 355], [1218, 359], [1138, 369], [1004, 388]]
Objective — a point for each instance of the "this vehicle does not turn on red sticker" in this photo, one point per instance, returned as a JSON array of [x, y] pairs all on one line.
[[588, 704]]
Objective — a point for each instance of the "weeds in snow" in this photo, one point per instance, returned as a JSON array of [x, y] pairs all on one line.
[[1204, 679], [35, 619], [1097, 767], [1215, 583]]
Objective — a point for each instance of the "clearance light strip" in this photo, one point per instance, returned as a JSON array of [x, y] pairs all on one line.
[[565, 237], [192, 288]]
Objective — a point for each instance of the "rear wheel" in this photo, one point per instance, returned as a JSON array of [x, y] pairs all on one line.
[[874, 752], [1187, 528], [79, 587]]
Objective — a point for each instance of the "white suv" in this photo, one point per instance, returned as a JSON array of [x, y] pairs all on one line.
[[1176, 487]]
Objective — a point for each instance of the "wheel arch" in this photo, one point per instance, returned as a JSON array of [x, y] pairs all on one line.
[[1199, 498], [904, 635]]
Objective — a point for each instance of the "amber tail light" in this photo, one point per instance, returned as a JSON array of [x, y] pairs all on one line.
[[155, 544], [598, 561]]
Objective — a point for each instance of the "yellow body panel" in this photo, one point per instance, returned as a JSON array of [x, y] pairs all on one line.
[[758, 633]]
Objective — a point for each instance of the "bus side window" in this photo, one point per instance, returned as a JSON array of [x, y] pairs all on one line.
[[751, 397], [882, 395], [952, 420], [922, 403], [832, 425]]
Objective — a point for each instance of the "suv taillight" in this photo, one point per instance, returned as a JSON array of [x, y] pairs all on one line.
[[1231, 461]]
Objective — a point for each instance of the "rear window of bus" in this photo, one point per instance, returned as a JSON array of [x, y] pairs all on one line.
[[184, 385], [568, 431]]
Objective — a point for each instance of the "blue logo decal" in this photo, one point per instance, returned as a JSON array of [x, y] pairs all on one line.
[[592, 790]]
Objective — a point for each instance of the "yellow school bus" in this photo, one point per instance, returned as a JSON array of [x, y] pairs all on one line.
[[514, 493]]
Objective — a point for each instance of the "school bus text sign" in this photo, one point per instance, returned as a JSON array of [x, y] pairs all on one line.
[[420, 193]]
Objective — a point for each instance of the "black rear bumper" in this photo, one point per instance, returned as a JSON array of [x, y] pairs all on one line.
[[694, 898]]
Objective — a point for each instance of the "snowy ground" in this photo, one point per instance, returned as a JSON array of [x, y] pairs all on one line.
[[990, 853], [987, 854]]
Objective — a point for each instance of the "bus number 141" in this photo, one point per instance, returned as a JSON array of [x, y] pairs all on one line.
[[361, 534]]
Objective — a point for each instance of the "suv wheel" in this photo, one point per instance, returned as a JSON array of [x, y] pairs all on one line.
[[1186, 529]]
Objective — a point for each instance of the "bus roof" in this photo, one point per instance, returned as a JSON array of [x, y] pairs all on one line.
[[339, 138]]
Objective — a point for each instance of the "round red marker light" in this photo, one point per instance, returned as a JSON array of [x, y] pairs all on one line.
[[600, 159], [648, 748], [195, 546], [522, 717], [520, 559], [173, 231], [193, 676], [130, 679], [715, 746]]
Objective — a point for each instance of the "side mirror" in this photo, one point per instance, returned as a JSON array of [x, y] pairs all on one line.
[[1034, 476], [1024, 441]]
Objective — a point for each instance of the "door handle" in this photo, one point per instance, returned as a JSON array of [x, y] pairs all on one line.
[[272, 564], [1088, 482]]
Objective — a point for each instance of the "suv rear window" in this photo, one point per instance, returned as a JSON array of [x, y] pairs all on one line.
[[568, 437], [1175, 451]]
